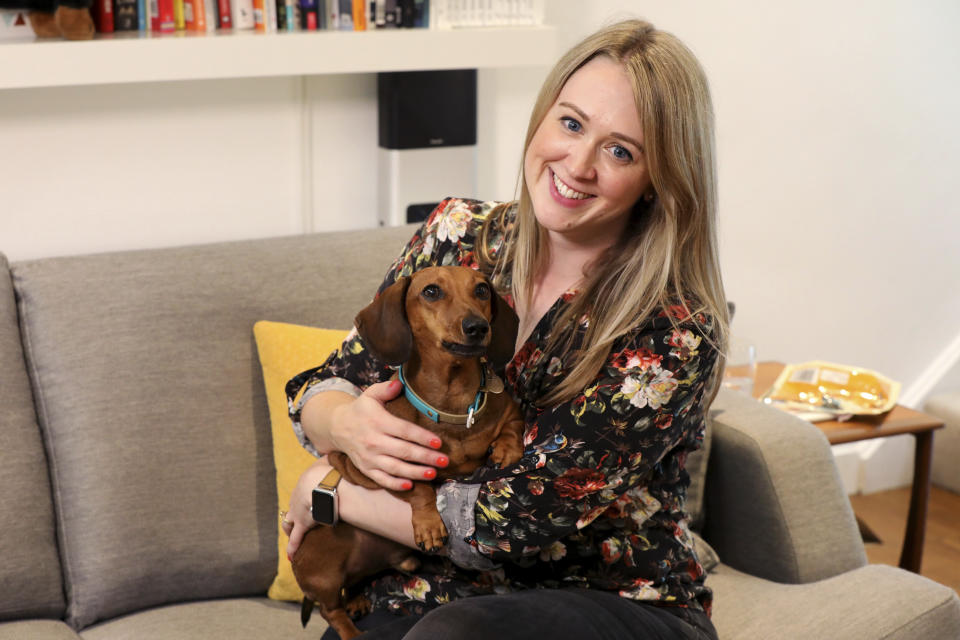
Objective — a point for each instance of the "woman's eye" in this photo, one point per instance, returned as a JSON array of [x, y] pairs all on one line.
[[570, 124], [482, 291], [621, 153], [432, 292]]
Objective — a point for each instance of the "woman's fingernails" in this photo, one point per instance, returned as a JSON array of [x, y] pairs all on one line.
[[443, 461], [407, 485], [435, 443], [430, 474], [394, 385]]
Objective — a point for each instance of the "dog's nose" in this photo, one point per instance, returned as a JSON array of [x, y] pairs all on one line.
[[475, 328]]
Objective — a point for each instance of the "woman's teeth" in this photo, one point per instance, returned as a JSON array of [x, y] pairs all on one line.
[[566, 191]]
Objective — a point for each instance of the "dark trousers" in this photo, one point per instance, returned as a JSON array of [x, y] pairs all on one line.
[[577, 614]]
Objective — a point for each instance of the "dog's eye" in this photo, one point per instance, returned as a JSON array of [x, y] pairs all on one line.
[[482, 291], [432, 292]]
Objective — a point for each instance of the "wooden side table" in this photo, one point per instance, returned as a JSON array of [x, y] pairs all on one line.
[[898, 421]]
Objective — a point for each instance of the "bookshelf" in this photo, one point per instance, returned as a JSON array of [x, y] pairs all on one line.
[[135, 57]]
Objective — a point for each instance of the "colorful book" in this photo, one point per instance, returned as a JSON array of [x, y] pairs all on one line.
[[360, 9], [143, 15], [195, 15], [309, 15], [103, 15], [165, 23], [179, 23], [125, 15], [290, 15], [224, 14], [260, 16]]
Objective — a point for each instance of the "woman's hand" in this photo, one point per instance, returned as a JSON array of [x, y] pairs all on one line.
[[299, 519], [388, 450]]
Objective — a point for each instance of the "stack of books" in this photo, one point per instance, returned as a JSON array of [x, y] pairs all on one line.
[[272, 16]]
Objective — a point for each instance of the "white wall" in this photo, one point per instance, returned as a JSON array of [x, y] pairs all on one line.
[[838, 151]]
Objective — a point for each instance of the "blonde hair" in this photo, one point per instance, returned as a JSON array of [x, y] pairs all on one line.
[[669, 254]]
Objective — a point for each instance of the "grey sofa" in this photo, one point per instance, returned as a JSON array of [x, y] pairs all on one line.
[[137, 472]]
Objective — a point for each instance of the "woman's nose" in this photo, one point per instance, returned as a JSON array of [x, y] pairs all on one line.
[[581, 162]]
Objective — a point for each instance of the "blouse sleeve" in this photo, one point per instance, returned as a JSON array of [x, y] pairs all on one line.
[[581, 456]]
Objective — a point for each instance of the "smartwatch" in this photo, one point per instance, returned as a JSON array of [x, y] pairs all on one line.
[[326, 505]]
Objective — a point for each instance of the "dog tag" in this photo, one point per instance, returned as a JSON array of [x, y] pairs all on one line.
[[494, 383], [470, 418]]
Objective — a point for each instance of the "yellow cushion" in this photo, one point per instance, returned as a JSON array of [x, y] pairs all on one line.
[[286, 350]]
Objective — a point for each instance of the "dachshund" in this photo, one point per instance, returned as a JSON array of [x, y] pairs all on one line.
[[434, 326]]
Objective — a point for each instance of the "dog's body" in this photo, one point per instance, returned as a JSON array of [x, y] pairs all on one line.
[[436, 324]]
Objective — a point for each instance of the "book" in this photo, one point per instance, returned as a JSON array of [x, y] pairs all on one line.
[[224, 14], [178, 20], [103, 15], [210, 15], [125, 15], [345, 14], [143, 15], [165, 23], [359, 9], [260, 15], [242, 11], [290, 15], [309, 15], [194, 15]]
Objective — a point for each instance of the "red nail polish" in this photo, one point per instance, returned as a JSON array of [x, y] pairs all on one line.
[[430, 474], [435, 443], [443, 461], [407, 485]]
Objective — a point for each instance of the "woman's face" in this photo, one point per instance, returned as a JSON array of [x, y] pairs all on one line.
[[585, 167]]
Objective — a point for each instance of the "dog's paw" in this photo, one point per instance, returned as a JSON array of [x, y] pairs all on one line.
[[505, 452], [430, 534]]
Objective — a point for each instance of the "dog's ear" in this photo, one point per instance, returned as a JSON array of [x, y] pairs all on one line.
[[383, 325], [504, 328]]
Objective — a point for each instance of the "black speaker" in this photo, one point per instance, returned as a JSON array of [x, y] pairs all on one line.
[[422, 109]]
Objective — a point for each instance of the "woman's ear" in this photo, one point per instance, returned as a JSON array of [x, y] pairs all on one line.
[[504, 328], [383, 325]]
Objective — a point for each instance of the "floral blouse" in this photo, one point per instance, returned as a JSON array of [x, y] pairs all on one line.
[[597, 501]]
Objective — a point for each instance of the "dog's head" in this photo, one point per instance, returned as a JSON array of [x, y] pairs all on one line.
[[451, 309]]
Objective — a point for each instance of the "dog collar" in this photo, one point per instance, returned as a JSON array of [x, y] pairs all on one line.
[[452, 418]]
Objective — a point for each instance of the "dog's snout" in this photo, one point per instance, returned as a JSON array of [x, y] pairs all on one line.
[[475, 328]]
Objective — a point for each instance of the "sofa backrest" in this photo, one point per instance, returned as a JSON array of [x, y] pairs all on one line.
[[151, 401], [30, 582]]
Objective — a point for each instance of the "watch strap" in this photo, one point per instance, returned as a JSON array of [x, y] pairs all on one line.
[[331, 480]]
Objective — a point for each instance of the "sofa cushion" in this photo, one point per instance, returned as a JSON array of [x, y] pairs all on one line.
[[875, 601], [152, 406], [236, 619], [30, 581], [285, 350], [37, 630]]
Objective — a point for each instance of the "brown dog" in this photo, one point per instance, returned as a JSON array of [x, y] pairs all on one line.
[[437, 324]]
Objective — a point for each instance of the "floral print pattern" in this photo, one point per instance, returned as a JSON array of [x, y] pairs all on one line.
[[597, 500]]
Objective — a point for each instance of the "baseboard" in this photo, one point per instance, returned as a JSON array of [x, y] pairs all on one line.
[[920, 388]]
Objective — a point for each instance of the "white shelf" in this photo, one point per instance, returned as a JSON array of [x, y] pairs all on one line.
[[135, 57]]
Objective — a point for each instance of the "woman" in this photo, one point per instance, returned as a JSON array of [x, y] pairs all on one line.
[[610, 256]]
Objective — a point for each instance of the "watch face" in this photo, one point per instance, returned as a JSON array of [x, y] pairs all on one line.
[[324, 507]]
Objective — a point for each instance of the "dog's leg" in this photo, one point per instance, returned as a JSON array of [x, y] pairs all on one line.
[[342, 463], [429, 532], [507, 448]]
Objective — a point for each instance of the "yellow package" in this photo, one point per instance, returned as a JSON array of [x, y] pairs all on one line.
[[834, 389]]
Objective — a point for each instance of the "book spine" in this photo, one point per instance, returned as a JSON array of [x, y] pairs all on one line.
[[360, 8], [179, 22], [143, 16], [125, 15], [259, 16], [309, 17], [242, 11], [224, 14], [104, 15], [290, 15], [210, 15], [165, 16]]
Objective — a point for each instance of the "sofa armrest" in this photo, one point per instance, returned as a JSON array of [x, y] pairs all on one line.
[[775, 506]]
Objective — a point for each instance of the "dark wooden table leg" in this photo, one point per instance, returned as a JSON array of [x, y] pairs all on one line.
[[912, 553]]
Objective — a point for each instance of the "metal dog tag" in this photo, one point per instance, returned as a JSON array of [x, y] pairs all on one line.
[[494, 383]]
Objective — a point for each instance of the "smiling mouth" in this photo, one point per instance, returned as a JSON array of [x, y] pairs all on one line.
[[566, 191], [465, 350]]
